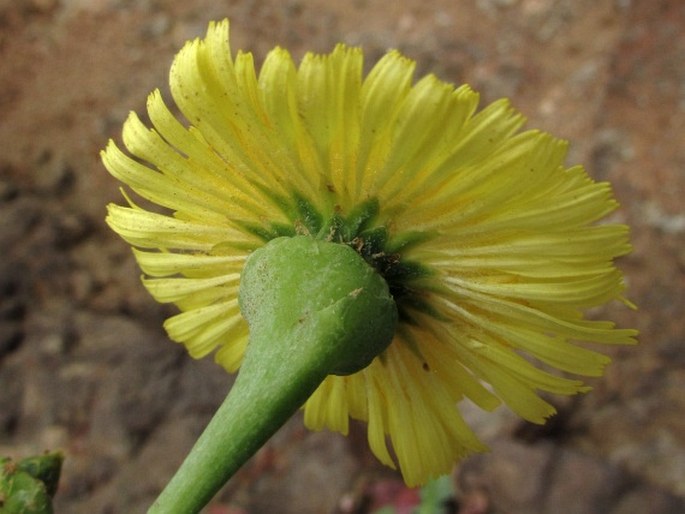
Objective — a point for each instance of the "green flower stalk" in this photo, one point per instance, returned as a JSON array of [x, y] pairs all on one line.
[[470, 252], [346, 318]]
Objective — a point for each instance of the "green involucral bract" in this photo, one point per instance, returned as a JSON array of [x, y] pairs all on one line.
[[335, 305]]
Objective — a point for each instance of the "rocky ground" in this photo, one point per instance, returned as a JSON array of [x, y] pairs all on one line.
[[85, 365]]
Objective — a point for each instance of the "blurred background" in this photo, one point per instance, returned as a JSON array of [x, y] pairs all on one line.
[[85, 365]]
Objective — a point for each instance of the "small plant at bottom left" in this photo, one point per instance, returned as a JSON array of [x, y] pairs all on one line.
[[28, 486]]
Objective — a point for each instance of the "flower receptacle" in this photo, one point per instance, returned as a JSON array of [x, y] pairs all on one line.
[[336, 306]]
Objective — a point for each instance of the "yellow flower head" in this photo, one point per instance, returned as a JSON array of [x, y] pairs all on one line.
[[488, 243]]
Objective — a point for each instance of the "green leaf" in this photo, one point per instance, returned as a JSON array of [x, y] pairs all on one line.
[[435, 494]]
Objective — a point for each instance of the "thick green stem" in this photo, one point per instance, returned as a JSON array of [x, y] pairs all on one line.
[[257, 406], [314, 309]]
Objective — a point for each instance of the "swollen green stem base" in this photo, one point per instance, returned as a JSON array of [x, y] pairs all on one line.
[[314, 308]]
